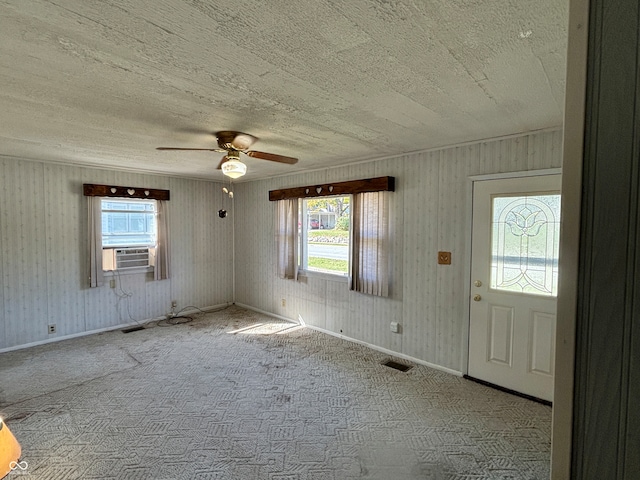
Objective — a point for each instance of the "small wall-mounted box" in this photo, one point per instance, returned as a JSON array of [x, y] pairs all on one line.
[[444, 258], [395, 327]]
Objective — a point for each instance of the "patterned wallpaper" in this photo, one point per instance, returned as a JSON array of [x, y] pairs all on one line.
[[430, 211], [43, 259], [43, 251]]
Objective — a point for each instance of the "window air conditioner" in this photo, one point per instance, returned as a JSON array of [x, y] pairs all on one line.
[[131, 258]]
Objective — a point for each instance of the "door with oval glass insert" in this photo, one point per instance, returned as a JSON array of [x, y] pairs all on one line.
[[514, 278]]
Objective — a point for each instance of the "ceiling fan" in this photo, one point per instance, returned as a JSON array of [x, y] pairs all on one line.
[[235, 143]]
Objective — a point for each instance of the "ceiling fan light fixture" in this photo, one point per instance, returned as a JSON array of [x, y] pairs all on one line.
[[234, 168]]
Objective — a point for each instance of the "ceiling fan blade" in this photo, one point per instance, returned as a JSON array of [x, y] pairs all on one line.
[[272, 156], [222, 160], [197, 149], [237, 140]]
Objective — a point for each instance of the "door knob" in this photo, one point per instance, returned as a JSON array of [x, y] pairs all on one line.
[[477, 298]]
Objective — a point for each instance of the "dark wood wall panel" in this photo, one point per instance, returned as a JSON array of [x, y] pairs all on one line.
[[605, 419], [632, 455], [378, 184], [93, 190]]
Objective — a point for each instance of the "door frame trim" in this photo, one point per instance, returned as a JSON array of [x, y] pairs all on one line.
[[520, 174], [469, 240]]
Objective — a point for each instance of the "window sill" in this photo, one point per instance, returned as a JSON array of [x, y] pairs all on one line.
[[332, 277]]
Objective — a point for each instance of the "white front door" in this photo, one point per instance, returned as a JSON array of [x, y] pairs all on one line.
[[514, 277]]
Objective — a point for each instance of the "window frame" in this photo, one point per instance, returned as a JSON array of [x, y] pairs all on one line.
[[303, 243], [370, 276], [147, 213], [150, 246]]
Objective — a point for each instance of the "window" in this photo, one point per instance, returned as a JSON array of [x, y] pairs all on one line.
[[128, 223], [128, 233], [127, 228], [306, 223], [525, 239], [325, 235]]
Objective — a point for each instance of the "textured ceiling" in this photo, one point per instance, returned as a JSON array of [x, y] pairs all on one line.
[[104, 82]]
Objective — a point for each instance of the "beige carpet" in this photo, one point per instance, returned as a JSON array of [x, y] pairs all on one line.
[[238, 395]]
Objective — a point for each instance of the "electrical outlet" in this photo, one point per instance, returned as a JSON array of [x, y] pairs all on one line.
[[395, 327], [52, 328], [174, 303], [112, 283], [284, 302]]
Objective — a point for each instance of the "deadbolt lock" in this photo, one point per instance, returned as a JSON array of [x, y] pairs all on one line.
[[477, 283], [477, 298]]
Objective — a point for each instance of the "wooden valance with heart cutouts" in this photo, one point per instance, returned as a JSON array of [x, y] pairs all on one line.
[[378, 184], [93, 190]]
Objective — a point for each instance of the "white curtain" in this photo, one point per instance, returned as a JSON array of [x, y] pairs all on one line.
[[287, 238], [370, 243], [96, 276], [161, 267]]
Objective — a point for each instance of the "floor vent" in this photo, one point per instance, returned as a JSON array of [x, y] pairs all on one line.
[[133, 329], [397, 366]]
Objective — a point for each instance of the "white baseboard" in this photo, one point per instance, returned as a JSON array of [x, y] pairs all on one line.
[[108, 329], [248, 307], [354, 340], [389, 352], [264, 312]]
